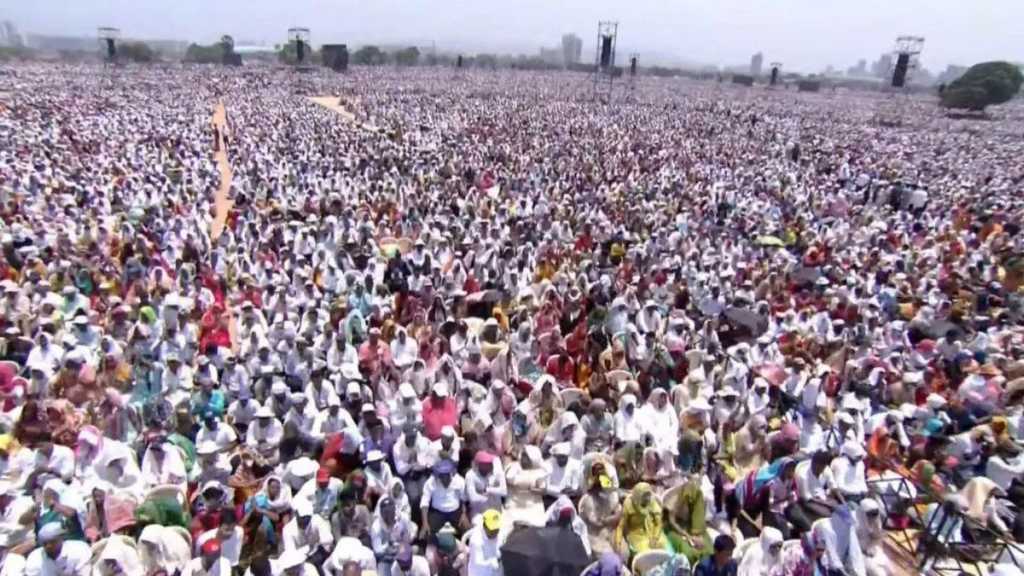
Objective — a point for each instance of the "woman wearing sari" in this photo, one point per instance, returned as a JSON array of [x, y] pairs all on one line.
[[687, 529], [163, 549], [640, 528]]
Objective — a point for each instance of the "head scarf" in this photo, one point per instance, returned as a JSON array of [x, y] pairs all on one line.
[[632, 504], [759, 560], [976, 492], [122, 554], [170, 548], [283, 501]]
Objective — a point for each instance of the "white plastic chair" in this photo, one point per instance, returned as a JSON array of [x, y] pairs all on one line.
[[570, 395], [647, 561]]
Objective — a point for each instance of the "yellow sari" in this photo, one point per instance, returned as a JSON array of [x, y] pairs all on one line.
[[640, 528]]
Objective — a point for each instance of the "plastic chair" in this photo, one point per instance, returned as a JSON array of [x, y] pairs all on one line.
[[646, 561], [616, 376], [570, 395]]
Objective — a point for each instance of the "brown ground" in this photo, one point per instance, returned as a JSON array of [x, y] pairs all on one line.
[[222, 202]]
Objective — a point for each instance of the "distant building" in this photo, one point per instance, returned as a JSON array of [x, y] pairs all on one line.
[[756, 62], [861, 69], [572, 49], [551, 56], [9, 35], [952, 72], [883, 67]]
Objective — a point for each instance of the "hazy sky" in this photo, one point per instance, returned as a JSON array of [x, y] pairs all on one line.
[[802, 34]]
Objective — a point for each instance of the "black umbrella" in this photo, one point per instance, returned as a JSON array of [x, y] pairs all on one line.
[[548, 551], [751, 322]]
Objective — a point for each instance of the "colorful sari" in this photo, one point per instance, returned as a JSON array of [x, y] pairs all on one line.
[[694, 542], [640, 528]]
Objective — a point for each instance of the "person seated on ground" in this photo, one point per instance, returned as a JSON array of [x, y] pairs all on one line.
[[765, 557], [843, 553], [56, 555], [309, 532], [720, 563], [871, 535], [687, 528], [601, 510], [640, 528], [562, 513], [849, 472], [565, 477], [484, 546], [443, 499]]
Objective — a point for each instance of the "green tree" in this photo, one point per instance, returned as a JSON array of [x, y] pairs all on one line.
[[227, 43], [369, 56], [407, 56], [985, 84], [136, 52]]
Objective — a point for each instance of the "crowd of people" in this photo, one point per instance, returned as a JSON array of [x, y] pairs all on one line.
[[702, 329]]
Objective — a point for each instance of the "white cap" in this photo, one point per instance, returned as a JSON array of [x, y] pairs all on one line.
[[441, 389], [50, 531], [303, 507]]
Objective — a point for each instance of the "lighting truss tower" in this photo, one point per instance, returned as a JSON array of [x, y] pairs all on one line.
[[910, 48], [300, 36], [107, 38], [604, 58]]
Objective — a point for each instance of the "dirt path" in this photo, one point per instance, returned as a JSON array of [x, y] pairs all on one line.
[[222, 202]]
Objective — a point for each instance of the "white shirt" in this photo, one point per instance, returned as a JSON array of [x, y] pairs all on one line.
[[486, 492], [443, 499], [849, 476], [1003, 471], [484, 554], [811, 487], [627, 428], [350, 550], [14, 565], [562, 480], [317, 534], [74, 560]]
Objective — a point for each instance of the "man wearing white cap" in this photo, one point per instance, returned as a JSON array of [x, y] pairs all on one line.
[[405, 408], [308, 530], [264, 434], [447, 447], [332, 420], [55, 557], [566, 477]]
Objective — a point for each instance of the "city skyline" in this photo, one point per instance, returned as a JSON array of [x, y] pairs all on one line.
[[687, 31]]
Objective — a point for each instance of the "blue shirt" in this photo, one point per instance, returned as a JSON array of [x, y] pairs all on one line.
[[708, 567]]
